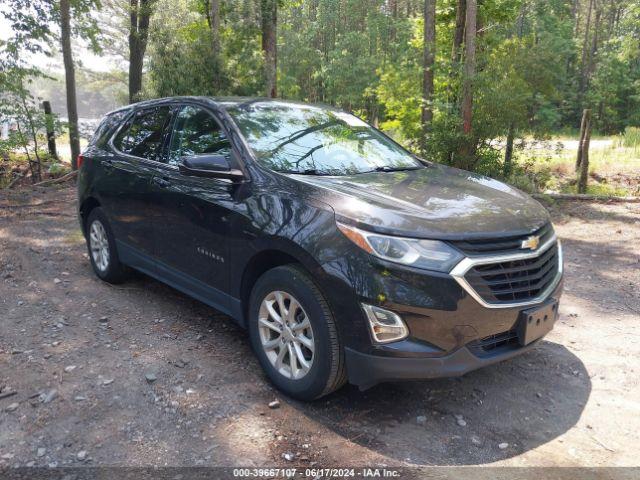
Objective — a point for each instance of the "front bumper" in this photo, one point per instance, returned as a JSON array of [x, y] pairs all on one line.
[[366, 370], [447, 324], [443, 342], [437, 347]]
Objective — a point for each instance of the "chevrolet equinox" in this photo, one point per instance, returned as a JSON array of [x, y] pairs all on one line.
[[346, 257]]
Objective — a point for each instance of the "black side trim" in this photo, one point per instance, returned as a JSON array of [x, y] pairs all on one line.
[[202, 292]]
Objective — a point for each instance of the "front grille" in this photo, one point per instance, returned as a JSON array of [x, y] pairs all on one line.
[[503, 245], [515, 280], [495, 343]]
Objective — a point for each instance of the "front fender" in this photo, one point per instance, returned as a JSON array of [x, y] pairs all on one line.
[[281, 223]]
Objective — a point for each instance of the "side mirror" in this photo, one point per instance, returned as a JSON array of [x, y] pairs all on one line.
[[211, 166]]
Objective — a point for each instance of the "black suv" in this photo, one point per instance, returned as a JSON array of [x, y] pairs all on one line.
[[346, 257]]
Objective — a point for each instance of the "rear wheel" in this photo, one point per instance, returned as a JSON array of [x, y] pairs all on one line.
[[294, 334], [102, 248]]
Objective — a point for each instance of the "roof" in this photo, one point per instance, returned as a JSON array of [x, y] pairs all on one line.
[[220, 102]]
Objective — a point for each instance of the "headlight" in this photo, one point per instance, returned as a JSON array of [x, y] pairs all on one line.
[[427, 254]]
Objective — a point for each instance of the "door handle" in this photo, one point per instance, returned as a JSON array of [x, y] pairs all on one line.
[[161, 182]]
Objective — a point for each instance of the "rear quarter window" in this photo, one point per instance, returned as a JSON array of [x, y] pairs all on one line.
[[105, 129], [144, 135]]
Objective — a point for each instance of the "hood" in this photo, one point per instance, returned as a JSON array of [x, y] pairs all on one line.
[[436, 202]]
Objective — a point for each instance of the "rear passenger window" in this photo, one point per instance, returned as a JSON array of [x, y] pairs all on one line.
[[144, 135], [196, 132]]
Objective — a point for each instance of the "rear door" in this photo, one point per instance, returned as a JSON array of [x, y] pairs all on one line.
[[193, 231], [139, 146]]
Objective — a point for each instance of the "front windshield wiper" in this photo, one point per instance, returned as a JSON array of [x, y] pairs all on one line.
[[308, 171], [387, 168]]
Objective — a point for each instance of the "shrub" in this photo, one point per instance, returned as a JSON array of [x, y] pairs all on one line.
[[631, 137], [57, 169]]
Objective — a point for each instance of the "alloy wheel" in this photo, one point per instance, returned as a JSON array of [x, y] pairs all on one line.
[[286, 335], [99, 245]]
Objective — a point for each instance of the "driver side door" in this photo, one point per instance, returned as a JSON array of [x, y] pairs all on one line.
[[192, 232]]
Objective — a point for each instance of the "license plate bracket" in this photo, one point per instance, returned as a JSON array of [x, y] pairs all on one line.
[[536, 322]]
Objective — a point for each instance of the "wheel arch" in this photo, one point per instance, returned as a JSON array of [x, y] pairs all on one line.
[[86, 207], [270, 258]]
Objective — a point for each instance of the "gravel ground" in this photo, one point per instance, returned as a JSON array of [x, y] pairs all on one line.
[[139, 374]]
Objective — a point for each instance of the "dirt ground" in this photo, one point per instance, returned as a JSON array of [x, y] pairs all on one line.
[[77, 352]]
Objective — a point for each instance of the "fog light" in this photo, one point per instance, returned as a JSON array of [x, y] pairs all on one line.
[[385, 326]]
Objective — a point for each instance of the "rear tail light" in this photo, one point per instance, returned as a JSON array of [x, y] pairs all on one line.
[[80, 161]]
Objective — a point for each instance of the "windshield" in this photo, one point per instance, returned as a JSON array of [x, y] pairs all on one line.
[[313, 140]]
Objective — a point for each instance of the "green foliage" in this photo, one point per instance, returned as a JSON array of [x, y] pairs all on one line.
[[35, 28], [34, 24], [181, 61], [26, 120], [367, 55], [522, 65], [538, 66], [57, 169]]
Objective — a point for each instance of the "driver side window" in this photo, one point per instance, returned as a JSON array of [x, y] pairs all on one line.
[[196, 132]]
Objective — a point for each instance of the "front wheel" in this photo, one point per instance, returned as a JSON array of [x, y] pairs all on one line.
[[294, 334]]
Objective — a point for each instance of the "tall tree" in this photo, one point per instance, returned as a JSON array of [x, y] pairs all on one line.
[[594, 45], [428, 61], [511, 132], [582, 81], [469, 77], [216, 44], [582, 161], [70, 81], [269, 19], [139, 17]]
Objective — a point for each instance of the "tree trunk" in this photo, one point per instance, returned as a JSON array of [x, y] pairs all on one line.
[[429, 54], [508, 153], [582, 164], [139, 16], [583, 129], [594, 47], [51, 136], [216, 45], [70, 81], [585, 52], [468, 147], [507, 168], [611, 17], [458, 34], [270, 45], [469, 66], [214, 16], [575, 14]]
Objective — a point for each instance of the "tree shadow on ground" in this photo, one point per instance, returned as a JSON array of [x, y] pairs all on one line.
[[525, 402], [563, 210]]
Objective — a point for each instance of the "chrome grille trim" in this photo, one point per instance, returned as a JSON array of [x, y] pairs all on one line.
[[461, 269]]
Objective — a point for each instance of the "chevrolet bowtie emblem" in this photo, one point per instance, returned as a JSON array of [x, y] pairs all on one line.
[[531, 242]]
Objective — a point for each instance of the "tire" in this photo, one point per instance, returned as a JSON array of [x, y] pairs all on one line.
[[327, 371], [111, 271]]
